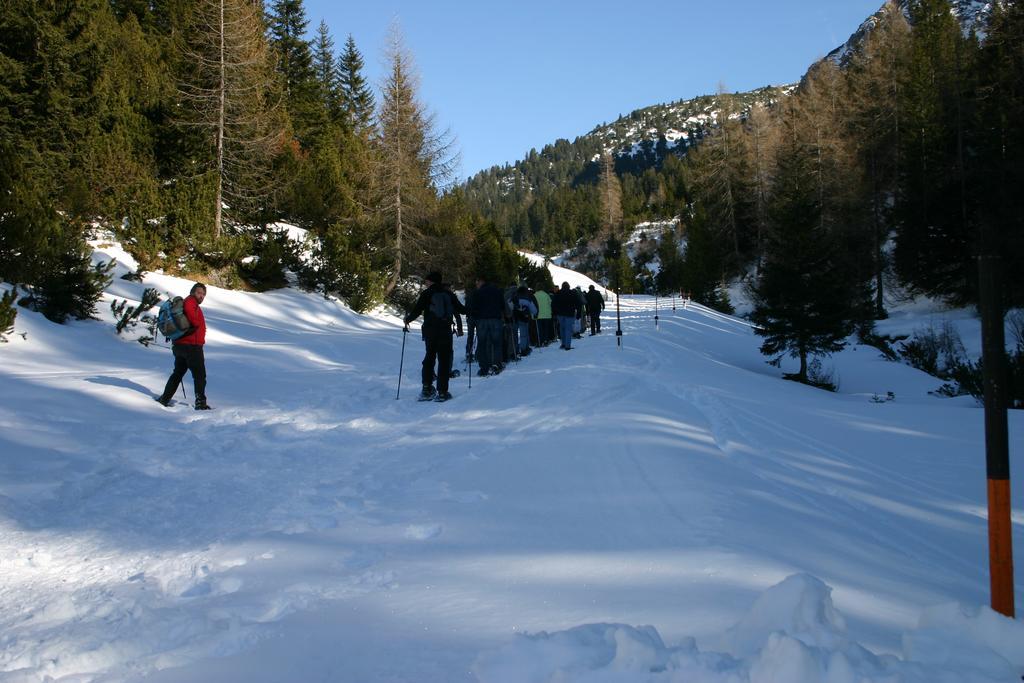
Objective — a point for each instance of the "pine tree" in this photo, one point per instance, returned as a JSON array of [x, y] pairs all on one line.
[[1000, 146], [819, 114], [30, 181], [702, 270], [415, 159], [356, 97], [73, 142], [875, 76], [761, 142], [118, 168], [801, 306], [706, 221], [669, 278], [230, 93], [724, 188], [935, 237], [611, 197], [71, 285], [326, 69], [287, 25], [494, 257]]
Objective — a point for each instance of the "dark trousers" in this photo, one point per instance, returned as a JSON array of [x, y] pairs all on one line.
[[187, 358], [595, 322], [547, 330], [439, 350], [488, 346]]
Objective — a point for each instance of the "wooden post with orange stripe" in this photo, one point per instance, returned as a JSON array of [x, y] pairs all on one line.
[[997, 456]]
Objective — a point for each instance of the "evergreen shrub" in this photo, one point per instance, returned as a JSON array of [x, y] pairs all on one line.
[[70, 285], [940, 352], [7, 313], [935, 351], [882, 342], [264, 270], [818, 376], [128, 316]]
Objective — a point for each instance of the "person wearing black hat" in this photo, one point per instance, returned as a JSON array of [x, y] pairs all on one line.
[[440, 309]]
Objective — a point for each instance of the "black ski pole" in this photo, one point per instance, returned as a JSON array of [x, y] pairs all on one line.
[[405, 331]]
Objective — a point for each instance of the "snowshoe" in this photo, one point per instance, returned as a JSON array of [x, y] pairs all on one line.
[[454, 373], [427, 394], [201, 404], [442, 396], [165, 402]]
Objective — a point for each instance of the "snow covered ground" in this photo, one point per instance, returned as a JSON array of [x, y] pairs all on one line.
[[670, 511]]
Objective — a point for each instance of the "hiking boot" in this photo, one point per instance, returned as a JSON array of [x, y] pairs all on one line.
[[442, 396], [427, 393], [454, 373], [201, 404], [165, 402]]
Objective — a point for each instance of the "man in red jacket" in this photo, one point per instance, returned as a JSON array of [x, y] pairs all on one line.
[[188, 351]]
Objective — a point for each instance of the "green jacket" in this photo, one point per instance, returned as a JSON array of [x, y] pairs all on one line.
[[543, 305]]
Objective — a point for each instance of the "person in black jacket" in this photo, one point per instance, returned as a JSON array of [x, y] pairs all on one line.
[[565, 307], [488, 308], [595, 304], [440, 308]]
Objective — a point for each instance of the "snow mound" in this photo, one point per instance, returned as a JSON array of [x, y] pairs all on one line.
[[792, 634]]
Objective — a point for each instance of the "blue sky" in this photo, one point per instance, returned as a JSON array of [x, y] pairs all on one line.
[[511, 76]]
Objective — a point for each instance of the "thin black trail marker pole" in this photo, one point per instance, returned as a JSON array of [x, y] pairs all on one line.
[[655, 310], [401, 365], [613, 250], [618, 320]]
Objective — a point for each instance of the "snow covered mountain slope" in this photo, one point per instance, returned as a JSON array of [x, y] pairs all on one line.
[[667, 511], [972, 14]]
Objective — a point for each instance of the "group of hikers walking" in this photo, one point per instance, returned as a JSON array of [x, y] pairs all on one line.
[[501, 325]]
